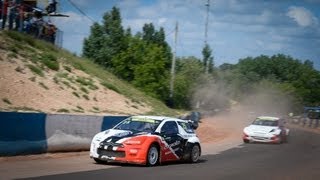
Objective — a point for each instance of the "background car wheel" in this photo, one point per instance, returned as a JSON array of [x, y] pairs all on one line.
[[153, 155], [99, 161], [246, 141], [280, 140], [195, 153]]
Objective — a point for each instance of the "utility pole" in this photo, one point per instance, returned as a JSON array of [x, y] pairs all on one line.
[[206, 35], [173, 65]]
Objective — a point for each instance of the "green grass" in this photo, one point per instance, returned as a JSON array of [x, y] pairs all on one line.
[[62, 75], [68, 85], [35, 70], [55, 80], [76, 94], [83, 89], [84, 81], [13, 49], [111, 87], [43, 85], [6, 100], [63, 110], [86, 97], [78, 110], [67, 68], [33, 79], [50, 61], [39, 50], [12, 55], [79, 107], [24, 108]]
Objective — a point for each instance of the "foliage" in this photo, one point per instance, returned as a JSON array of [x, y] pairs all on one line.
[[188, 70], [50, 61], [43, 85], [142, 60], [207, 59], [35, 70], [110, 86], [293, 77], [6, 100], [63, 110], [106, 40]]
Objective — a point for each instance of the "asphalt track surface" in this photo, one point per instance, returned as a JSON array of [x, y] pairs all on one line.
[[299, 159]]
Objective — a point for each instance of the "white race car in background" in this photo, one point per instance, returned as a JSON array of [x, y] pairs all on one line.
[[266, 129]]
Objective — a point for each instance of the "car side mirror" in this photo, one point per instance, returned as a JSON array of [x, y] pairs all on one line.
[[193, 124]]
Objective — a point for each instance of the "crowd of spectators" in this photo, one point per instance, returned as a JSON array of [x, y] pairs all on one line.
[[20, 16]]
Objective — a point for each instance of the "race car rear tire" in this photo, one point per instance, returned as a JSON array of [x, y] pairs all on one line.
[[194, 153], [153, 155]]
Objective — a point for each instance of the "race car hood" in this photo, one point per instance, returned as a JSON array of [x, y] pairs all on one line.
[[115, 135], [259, 129]]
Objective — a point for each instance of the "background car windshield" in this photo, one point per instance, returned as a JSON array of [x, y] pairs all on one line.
[[138, 125], [263, 122]]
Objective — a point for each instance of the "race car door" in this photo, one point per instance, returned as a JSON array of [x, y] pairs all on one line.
[[173, 149]]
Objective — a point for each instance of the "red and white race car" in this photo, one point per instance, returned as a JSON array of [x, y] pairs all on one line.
[[147, 140]]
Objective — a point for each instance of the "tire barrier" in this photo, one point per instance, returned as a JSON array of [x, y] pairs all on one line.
[[33, 133]]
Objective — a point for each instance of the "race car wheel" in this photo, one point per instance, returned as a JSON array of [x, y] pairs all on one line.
[[153, 155], [246, 141], [195, 153], [280, 140], [99, 161]]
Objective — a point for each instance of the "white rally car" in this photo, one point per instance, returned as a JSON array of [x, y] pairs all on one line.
[[147, 140], [266, 129]]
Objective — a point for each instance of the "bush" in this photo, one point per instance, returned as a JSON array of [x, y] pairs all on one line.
[[110, 86], [76, 94], [50, 61], [62, 110], [43, 85], [6, 100], [67, 68], [35, 70], [84, 90], [86, 97]]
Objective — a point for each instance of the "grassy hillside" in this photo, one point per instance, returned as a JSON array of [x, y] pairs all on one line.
[[37, 76]]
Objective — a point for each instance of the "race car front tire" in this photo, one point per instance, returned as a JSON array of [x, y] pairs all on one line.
[[99, 161], [153, 155], [195, 153]]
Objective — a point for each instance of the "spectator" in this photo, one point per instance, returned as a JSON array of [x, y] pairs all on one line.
[[52, 7], [1, 9], [5, 5]]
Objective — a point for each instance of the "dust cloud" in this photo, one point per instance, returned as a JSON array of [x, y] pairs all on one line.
[[215, 100]]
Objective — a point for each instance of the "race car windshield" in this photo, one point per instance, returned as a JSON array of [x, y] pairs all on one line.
[[138, 125], [263, 122]]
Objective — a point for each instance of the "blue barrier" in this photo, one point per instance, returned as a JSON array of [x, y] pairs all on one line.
[[22, 133], [22, 126], [30, 133]]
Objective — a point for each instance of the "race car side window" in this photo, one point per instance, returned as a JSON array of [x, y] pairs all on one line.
[[186, 126], [169, 127]]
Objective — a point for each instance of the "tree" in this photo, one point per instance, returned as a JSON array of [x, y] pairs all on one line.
[[207, 59], [92, 45], [152, 36], [151, 75], [188, 71], [106, 40]]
